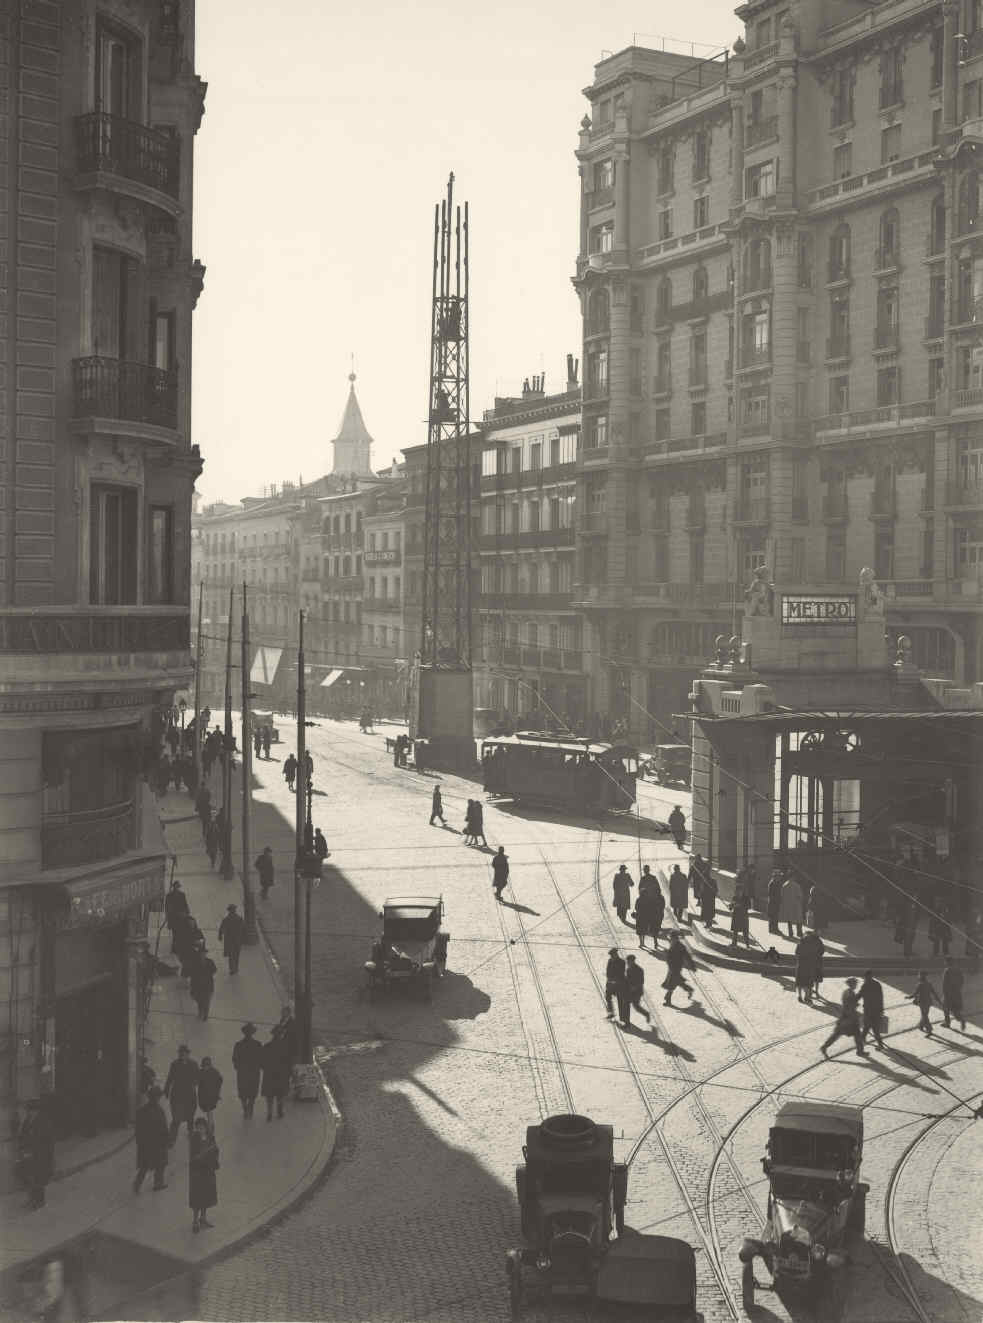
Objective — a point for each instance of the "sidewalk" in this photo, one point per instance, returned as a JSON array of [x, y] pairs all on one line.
[[851, 947], [140, 1243]]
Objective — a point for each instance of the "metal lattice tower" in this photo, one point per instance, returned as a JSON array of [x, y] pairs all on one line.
[[446, 636]]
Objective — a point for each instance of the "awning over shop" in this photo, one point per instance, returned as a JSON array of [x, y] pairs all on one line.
[[330, 678], [265, 665]]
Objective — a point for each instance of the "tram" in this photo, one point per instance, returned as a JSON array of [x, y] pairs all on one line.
[[560, 772]]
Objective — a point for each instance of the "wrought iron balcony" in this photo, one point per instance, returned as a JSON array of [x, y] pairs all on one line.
[[119, 629], [88, 838], [134, 392], [108, 144]]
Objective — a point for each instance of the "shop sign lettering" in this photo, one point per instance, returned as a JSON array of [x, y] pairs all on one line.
[[818, 609], [94, 906]]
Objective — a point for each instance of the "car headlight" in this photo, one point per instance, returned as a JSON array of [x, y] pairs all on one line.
[[542, 1260], [818, 1252]]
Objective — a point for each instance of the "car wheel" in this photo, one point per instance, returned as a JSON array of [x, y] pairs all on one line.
[[747, 1286]]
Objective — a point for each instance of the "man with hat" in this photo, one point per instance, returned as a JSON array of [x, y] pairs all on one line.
[[247, 1062], [181, 1091], [152, 1140], [616, 986], [231, 931], [848, 1023]]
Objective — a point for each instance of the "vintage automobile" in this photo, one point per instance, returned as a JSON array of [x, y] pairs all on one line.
[[572, 1196], [261, 719], [816, 1200], [412, 949], [669, 765]]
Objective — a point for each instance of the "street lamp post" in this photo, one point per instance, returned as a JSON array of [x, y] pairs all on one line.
[[308, 869]]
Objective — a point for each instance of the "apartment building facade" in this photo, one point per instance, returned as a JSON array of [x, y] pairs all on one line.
[[781, 295], [99, 280], [528, 655], [384, 640]]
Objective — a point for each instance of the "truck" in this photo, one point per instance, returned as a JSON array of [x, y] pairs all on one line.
[[572, 1196]]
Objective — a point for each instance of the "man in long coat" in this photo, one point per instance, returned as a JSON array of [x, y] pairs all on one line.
[[623, 883], [678, 891], [247, 1061], [791, 911], [808, 953], [202, 982], [175, 905], [231, 931], [775, 883], [150, 1128], [650, 911], [181, 1091], [276, 1073]]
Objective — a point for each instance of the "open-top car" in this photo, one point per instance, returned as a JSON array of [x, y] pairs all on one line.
[[816, 1199], [669, 765], [413, 946]]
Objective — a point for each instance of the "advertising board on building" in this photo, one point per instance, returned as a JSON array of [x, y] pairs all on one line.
[[822, 609]]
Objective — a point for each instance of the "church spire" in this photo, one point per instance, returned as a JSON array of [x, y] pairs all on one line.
[[352, 445]]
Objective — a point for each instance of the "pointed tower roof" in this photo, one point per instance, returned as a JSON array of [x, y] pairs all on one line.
[[353, 444]]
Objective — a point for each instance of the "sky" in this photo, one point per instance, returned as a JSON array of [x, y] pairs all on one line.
[[328, 136]]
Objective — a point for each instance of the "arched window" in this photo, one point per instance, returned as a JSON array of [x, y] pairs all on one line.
[[663, 301], [937, 225], [598, 312], [839, 253], [701, 284], [757, 264], [889, 243], [969, 202]]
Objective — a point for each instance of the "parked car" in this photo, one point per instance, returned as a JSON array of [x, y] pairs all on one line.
[[412, 949]]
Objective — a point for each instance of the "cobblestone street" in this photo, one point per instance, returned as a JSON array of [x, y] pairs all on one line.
[[414, 1217]]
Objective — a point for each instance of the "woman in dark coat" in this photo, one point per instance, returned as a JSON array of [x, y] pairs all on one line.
[[708, 898], [202, 1166], [808, 955]]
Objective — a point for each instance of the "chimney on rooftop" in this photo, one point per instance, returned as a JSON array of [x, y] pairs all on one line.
[[573, 369]]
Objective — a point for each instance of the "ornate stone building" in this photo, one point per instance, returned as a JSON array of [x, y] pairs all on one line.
[[99, 281], [783, 350]]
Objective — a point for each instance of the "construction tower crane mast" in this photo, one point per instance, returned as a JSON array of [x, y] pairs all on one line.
[[445, 717]]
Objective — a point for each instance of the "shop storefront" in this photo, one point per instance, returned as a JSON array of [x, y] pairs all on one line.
[[93, 1006]]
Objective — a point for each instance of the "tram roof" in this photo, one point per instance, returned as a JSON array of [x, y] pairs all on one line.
[[828, 1118], [569, 745]]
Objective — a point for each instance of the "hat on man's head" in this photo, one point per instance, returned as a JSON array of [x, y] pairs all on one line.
[[184, 1050], [249, 1028], [230, 908]]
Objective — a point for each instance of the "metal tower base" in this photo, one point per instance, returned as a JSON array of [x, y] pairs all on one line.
[[446, 719]]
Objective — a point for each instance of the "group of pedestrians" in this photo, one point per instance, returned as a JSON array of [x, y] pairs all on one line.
[[624, 981], [193, 1092], [189, 945]]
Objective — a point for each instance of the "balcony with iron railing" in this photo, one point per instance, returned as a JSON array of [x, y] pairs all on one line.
[[385, 604], [967, 397], [72, 839], [124, 156], [123, 630], [755, 356], [894, 414], [111, 388], [757, 131]]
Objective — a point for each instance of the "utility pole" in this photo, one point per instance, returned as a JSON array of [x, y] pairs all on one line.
[[229, 742], [198, 655], [301, 808], [248, 896]]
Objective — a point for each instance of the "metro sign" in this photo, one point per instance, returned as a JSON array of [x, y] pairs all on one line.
[[818, 609]]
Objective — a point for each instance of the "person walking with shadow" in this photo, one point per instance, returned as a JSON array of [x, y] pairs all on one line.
[[231, 932], [677, 959], [774, 903], [678, 892], [635, 984], [622, 885], [923, 996], [437, 807], [872, 999], [952, 994], [150, 1131], [175, 906], [267, 741], [247, 1062], [290, 771], [677, 825], [615, 986], [265, 871], [202, 1166], [500, 872], [478, 822], [467, 835], [848, 1022]]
